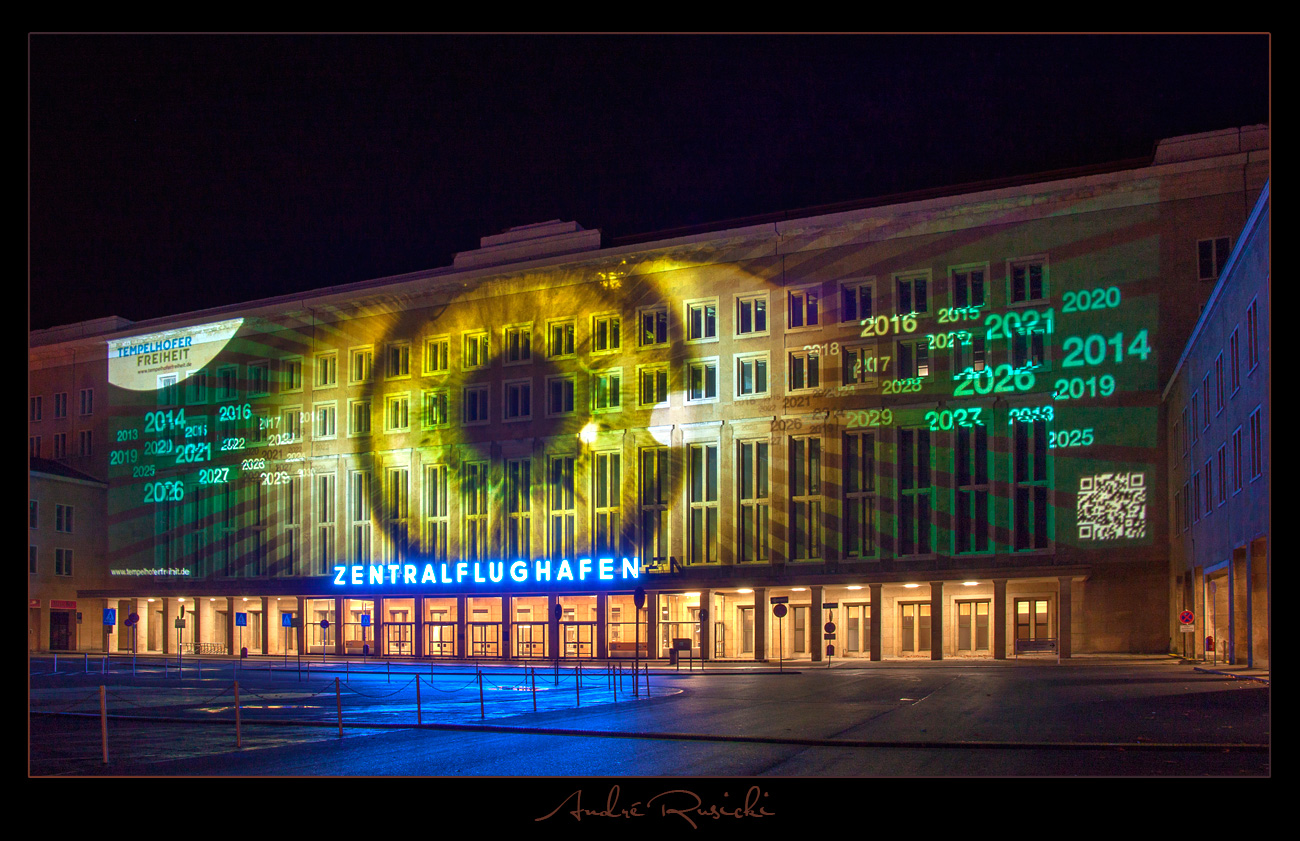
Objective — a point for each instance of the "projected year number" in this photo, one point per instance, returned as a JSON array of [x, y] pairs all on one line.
[[1077, 387], [1095, 350], [1002, 380], [1095, 299], [1070, 438], [946, 420], [214, 475], [164, 492], [193, 453], [164, 421]]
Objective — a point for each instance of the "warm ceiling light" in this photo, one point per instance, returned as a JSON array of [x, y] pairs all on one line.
[[969, 583], [151, 601], [744, 591], [688, 595], [855, 586], [588, 433], [911, 586], [798, 589]]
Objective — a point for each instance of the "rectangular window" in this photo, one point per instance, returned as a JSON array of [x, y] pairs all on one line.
[[359, 417], [436, 522], [259, 378], [1211, 255], [326, 419], [290, 541], [1234, 361], [63, 562], [359, 516], [607, 491], [434, 404], [34, 446], [1218, 384], [605, 333], [751, 375], [703, 532], [606, 390], [1186, 433], [519, 489], [87, 401], [654, 505], [86, 448], [397, 500], [803, 308], [805, 498], [227, 386], [560, 338], [519, 343], [63, 518], [856, 301], [969, 355], [701, 321], [1252, 336], [702, 381], [654, 326], [474, 510], [968, 287], [474, 403], [362, 365], [32, 507], [861, 366], [435, 354], [1256, 445], [971, 492], [291, 374], [31, 559], [1028, 347], [1237, 478], [34, 405], [1029, 476], [559, 396], [1193, 425], [1223, 474], [1209, 488], [1205, 390], [859, 494], [751, 315], [755, 507], [517, 399], [563, 511], [398, 413], [912, 294], [654, 386], [1028, 282], [60, 445], [61, 404], [327, 370], [291, 419], [804, 370], [914, 492], [399, 360], [913, 359], [474, 350], [1194, 501]]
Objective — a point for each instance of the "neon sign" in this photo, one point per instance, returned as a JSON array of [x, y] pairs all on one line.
[[487, 572]]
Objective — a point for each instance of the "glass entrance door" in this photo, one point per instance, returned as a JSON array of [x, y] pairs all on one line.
[[914, 628], [972, 627], [399, 633], [857, 629], [746, 630]]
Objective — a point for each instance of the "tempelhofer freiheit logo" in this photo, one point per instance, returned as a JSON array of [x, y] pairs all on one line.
[[600, 570]]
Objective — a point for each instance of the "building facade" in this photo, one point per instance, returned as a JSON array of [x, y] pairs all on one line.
[[1218, 416], [929, 426]]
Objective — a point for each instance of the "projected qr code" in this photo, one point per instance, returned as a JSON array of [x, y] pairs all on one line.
[[1112, 506]]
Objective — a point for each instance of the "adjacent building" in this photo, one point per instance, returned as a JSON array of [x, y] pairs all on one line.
[[926, 426]]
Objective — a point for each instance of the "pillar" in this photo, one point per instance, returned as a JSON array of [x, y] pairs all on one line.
[[419, 627], [461, 650], [266, 624], [552, 628], [877, 620], [301, 631], [937, 640], [706, 623], [817, 641], [1063, 614], [999, 619], [338, 625], [760, 624], [602, 647], [168, 632], [231, 648], [1239, 653], [651, 625]]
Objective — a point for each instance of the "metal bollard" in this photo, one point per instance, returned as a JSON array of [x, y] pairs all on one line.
[[479, 674], [103, 722], [239, 743], [419, 718]]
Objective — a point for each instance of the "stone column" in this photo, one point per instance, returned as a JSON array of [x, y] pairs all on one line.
[[1239, 652], [877, 620], [338, 626], [760, 624], [553, 641], [418, 642], [602, 622], [1063, 618], [936, 620], [167, 629], [462, 645], [817, 641], [231, 637], [266, 624], [999, 619], [706, 623]]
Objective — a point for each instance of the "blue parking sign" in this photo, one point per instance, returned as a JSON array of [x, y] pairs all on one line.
[[241, 619], [110, 616]]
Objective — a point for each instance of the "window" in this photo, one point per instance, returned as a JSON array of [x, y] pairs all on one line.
[[326, 420], [914, 492], [1180, 509], [291, 374], [859, 494], [911, 293], [1218, 383], [291, 424], [31, 559], [751, 315], [1234, 361], [969, 354], [913, 359], [703, 531], [654, 326], [475, 352], [1211, 255], [971, 492], [1028, 282], [1237, 479], [227, 387], [518, 509], [1252, 336], [1205, 390], [474, 404], [397, 499], [702, 381], [802, 308], [63, 562], [359, 516], [259, 379], [1256, 445], [754, 502], [32, 507], [327, 370], [1186, 434], [435, 354], [398, 413], [519, 344], [856, 301], [559, 395], [1223, 473], [607, 491], [968, 287], [362, 365], [653, 533], [751, 375], [35, 408], [559, 338], [1209, 489], [399, 360], [1029, 478], [1028, 347], [560, 485], [290, 540], [434, 404], [1193, 425], [34, 446], [63, 518], [87, 401], [435, 511], [61, 404], [474, 510], [517, 399], [86, 448], [606, 390], [805, 498], [701, 321], [654, 386], [60, 445], [1194, 501], [804, 370], [605, 333], [359, 417]]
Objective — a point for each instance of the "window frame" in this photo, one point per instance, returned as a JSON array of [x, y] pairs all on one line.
[[481, 356], [961, 276], [1028, 263], [754, 357], [703, 365], [324, 364], [436, 349], [481, 400], [612, 324], [361, 357], [600, 384], [571, 381], [703, 305], [793, 354], [660, 315], [642, 372], [568, 344], [753, 299], [797, 300], [522, 335]]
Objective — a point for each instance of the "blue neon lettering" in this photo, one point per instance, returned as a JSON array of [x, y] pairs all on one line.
[[606, 569], [633, 566], [428, 575], [565, 571], [339, 572], [496, 574], [377, 575], [519, 571], [462, 569], [478, 575], [542, 571]]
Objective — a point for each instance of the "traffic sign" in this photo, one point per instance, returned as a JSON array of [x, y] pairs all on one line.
[[324, 623], [241, 620], [780, 599], [110, 616], [830, 605], [286, 620], [778, 610], [830, 627], [1187, 617]]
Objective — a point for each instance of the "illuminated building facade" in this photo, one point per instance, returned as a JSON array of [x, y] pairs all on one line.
[[1217, 405], [934, 420]]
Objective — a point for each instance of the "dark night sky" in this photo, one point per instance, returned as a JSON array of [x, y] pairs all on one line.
[[174, 173]]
